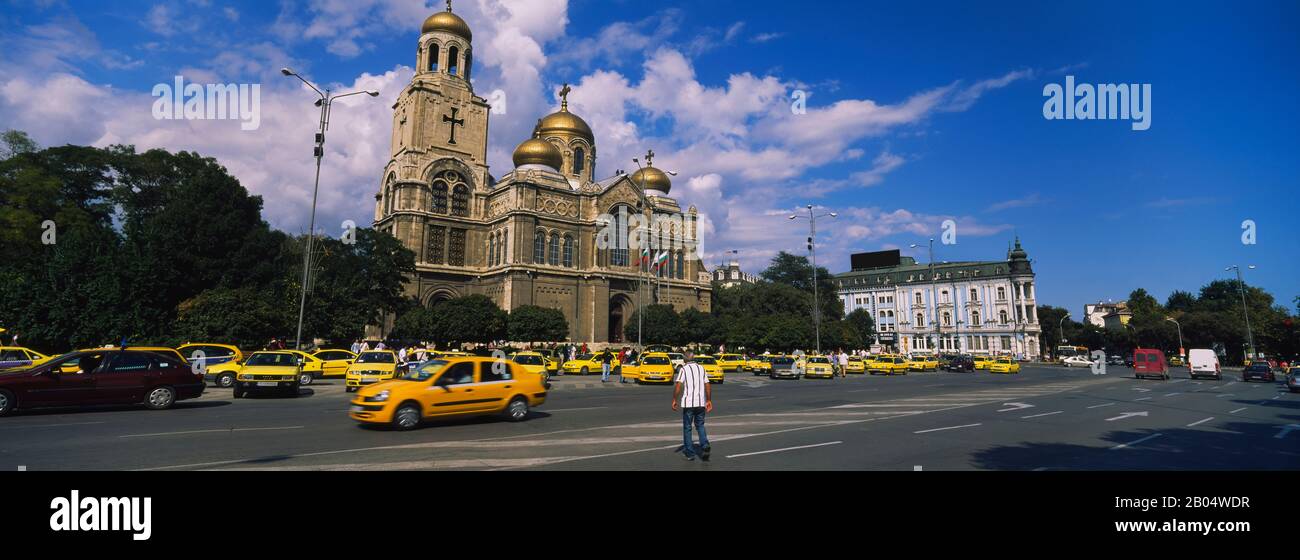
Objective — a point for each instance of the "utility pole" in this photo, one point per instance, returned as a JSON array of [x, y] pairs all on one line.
[[812, 250]]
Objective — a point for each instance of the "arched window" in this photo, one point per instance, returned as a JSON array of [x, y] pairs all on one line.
[[975, 318], [453, 64], [918, 299], [1002, 292], [947, 319], [554, 251], [1002, 316], [568, 251], [505, 246], [618, 252], [439, 205], [681, 265], [469, 61], [433, 57], [920, 320], [945, 296], [579, 161], [492, 249], [539, 247], [974, 295], [389, 192], [460, 201]]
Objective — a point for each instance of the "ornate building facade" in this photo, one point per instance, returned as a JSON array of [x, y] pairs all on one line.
[[540, 234], [983, 307]]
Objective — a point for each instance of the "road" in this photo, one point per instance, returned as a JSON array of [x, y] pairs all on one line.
[[1046, 418]]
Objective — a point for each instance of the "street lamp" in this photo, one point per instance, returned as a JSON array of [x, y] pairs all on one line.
[[1180, 334], [325, 102], [812, 250], [934, 302], [1060, 327], [1241, 287]]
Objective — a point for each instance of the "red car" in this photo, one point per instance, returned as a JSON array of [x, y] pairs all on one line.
[[108, 376], [1149, 362]]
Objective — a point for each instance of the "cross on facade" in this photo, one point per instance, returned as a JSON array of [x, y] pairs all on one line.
[[454, 122]]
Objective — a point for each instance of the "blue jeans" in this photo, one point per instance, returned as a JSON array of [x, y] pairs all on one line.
[[693, 416], [604, 372]]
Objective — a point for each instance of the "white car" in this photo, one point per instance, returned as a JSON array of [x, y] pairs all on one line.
[[1077, 361], [678, 360]]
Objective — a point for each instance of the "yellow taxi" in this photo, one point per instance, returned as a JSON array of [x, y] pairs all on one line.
[[653, 367], [272, 371], [730, 363], [533, 362], [982, 362], [760, 365], [711, 368], [589, 363], [334, 361], [370, 367], [1004, 365], [923, 363], [889, 365], [21, 357], [855, 365], [450, 388], [817, 366], [552, 360]]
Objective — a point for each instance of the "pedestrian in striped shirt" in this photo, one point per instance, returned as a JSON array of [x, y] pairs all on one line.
[[693, 395]]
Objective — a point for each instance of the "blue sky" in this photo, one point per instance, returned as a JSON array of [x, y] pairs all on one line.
[[918, 112]]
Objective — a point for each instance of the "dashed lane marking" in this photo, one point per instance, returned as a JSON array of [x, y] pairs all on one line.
[[784, 449], [947, 428], [1042, 415], [1199, 422], [1135, 442]]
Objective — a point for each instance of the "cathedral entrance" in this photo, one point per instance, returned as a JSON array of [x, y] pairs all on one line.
[[619, 309]]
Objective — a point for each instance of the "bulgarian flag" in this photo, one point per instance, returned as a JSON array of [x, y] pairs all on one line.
[[645, 257], [660, 260]]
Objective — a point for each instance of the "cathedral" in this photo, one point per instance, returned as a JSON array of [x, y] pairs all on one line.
[[539, 235]]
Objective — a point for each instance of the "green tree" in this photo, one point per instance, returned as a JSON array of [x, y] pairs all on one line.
[[864, 324], [699, 327], [531, 323], [245, 317], [415, 322], [662, 325], [473, 318], [797, 272]]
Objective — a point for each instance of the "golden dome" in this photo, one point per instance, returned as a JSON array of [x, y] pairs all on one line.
[[651, 178], [564, 123], [538, 152], [447, 22]]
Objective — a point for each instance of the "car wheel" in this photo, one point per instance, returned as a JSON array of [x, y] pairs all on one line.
[[584, 371], [6, 402], [305, 379], [226, 380], [517, 410], [160, 398], [239, 394], [407, 417]]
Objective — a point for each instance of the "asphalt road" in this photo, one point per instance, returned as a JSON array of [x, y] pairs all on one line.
[[1045, 418]]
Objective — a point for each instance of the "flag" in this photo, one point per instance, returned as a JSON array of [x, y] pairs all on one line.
[[660, 259], [645, 257]]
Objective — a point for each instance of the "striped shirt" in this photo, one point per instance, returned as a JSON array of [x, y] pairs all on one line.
[[693, 380]]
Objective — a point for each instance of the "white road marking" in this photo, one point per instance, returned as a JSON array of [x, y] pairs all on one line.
[[916, 468], [1223, 395], [1123, 445], [22, 468], [784, 449], [1043, 414], [1142, 399], [1101, 405], [947, 428], [1177, 381], [1276, 398], [1015, 406], [1238, 410], [750, 399], [1172, 394], [227, 430], [573, 409], [1286, 430], [1199, 422], [1126, 415]]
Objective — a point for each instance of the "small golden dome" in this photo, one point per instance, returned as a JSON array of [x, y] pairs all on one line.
[[651, 178], [564, 123], [447, 22], [538, 152]]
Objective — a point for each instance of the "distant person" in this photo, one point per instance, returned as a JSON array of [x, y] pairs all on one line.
[[401, 355], [844, 363], [693, 395], [356, 346], [365, 346], [605, 358], [380, 345]]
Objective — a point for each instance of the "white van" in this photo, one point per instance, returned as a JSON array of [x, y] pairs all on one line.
[[1203, 362]]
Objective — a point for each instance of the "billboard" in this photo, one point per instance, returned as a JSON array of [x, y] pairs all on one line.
[[877, 259]]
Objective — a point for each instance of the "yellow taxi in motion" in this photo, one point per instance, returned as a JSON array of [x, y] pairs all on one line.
[[817, 366], [334, 362], [923, 363], [760, 365], [21, 357], [982, 362], [889, 365], [450, 388], [372, 366], [855, 365], [711, 368], [730, 363], [589, 363], [654, 367], [533, 362], [277, 371], [1004, 365]]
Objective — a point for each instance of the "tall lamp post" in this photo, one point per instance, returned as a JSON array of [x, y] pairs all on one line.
[[1241, 287], [325, 102], [1180, 334], [812, 250], [1060, 328]]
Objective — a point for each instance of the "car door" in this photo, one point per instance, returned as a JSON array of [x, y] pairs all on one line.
[[335, 363], [454, 391], [496, 382], [67, 386], [125, 378]]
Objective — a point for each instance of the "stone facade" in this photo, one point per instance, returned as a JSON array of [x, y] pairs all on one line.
[[534, 237]]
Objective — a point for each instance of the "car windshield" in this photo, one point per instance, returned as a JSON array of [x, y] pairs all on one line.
[[528, 360], [584, 357], [705, 360], [1255, 367], [677, 356], [656, 361], [376, 358], [426, 371], [782, 360], [272, 359], [817, 360]]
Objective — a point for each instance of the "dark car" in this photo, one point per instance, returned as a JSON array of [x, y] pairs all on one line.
[[960, 363], [1293, 380], [1258, 371], [93, 377]]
